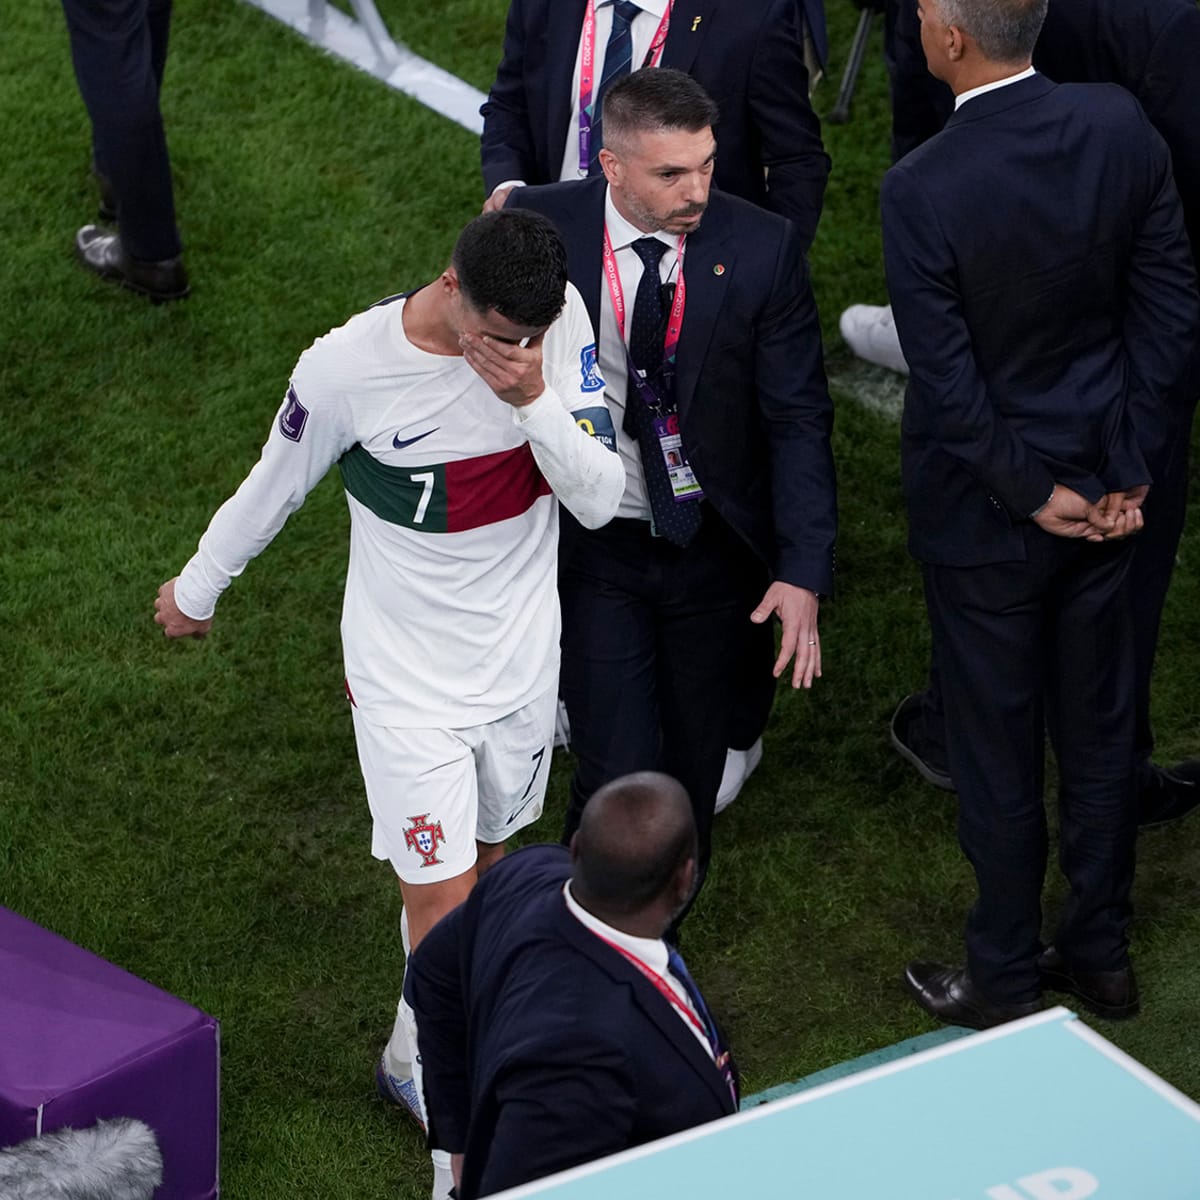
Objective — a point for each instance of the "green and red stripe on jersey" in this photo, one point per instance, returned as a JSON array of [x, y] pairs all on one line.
[[446, 497]]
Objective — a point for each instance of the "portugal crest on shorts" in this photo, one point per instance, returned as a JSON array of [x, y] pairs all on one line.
[[424, 837]]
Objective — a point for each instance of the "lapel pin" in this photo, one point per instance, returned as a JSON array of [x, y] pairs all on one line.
[[696, 23], [719, 269]]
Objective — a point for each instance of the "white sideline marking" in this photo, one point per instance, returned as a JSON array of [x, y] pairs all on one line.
[[875, 388], [366, 44]]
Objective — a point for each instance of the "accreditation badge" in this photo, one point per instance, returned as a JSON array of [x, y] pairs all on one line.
[[682, 478]]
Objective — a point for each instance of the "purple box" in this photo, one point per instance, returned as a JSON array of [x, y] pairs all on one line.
[[81, 1039]]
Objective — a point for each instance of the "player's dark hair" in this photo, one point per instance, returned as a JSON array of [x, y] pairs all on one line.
[[512, 261], [652, 100], [635, 835]]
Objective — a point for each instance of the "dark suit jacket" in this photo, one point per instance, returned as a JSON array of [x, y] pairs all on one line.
[[754, 408], [542, 1047], [1043, 291], [747, 54], [1150, 47]]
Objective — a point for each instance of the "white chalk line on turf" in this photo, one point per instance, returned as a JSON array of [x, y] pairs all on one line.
[[875, 388], [366, 44]]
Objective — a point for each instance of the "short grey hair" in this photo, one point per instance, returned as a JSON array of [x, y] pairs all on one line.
[[1006, 31]]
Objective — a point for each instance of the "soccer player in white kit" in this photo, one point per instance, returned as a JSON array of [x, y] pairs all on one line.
[[459, 415]]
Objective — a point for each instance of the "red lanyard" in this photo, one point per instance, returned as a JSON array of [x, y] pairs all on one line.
[[587, 63], [665, 989], [678, 304]]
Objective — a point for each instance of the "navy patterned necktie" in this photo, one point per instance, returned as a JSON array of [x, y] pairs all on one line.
[[646, 328], [720, 1051], [676, 520], [618, 55]]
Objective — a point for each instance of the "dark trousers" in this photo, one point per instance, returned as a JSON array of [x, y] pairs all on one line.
[[1022, 648], [119, 48], [754, 688], [652, 639], [1154, 552]]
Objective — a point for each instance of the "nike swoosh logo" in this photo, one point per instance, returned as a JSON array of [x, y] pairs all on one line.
[[400, 443]]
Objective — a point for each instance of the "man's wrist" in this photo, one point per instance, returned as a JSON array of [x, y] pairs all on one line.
[[1037, 512], [523, 410]]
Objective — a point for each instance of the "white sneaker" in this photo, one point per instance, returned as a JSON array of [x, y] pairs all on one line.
[[870, 332], [395, 1085], [739, 766], [562, 727]]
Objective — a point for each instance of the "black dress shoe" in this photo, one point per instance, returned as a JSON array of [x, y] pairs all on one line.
[[906, 737], [102, 253], [1109, 994], [949, 994], [1166, 794]]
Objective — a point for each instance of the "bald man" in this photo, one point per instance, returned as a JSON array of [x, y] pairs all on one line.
[[556, 1026]]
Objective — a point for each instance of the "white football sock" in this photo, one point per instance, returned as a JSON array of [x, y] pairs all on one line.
[[401, 1049], [402, 1045], [443, 1176]]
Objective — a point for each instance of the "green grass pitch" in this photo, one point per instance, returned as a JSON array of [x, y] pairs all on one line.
[[194, 812]]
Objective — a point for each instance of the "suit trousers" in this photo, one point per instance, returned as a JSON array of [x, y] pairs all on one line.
[[1154, 551], [1025, 647], [652, 641], [119, 48]]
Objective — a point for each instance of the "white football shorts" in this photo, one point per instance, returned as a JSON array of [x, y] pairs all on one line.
[[434, 792]]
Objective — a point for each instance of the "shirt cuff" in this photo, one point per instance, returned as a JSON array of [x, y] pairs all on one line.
[[1043, 504]]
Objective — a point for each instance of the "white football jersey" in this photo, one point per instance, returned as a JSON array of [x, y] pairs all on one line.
[[450, 617]]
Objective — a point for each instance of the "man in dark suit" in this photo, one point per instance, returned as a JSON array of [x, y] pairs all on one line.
[[119, 49], [747, 54], [556, 1026], [709, 345], [1044, 293], [1149, 47]]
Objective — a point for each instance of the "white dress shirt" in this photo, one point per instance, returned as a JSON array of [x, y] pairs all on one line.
[[961, 99], [634, 502], [642, 30]]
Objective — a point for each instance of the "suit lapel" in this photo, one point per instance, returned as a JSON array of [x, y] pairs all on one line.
[[690, 23], [565, 24], [709, 264], [657, 1009]]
